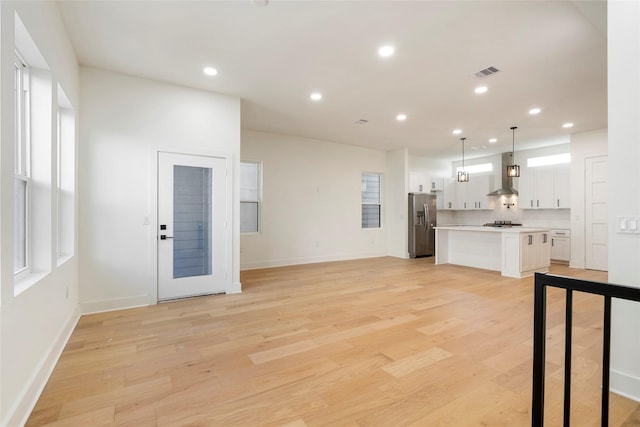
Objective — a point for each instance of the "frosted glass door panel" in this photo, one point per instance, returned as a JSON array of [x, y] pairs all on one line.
[[192, 221]]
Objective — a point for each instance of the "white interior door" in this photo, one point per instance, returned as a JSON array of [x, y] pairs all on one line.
[[596, 214], [191, 225]]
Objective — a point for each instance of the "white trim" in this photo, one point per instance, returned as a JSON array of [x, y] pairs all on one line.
[[116, 304], [309, 260], [19, 413], [625, 385]]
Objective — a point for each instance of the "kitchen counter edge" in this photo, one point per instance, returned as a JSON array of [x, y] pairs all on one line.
[[516, 229]]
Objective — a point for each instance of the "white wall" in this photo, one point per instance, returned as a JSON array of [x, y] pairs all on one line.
[[35, 323], [624, 188], [397, 203], [125, 121], [429, 166], [311, 209], [583, 146]]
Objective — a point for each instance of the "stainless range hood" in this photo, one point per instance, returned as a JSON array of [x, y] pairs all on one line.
[[506, 188]]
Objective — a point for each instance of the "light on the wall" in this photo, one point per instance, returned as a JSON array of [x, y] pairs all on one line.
[[463, 175], [513, 170]]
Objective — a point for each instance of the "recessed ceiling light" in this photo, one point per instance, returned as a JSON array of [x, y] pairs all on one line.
[[567, 125], [401, 117], [316, 96], [210, 71], [534, 111], [361, 121], [386, 51], [457, 132], [493, 140], [480, 89]]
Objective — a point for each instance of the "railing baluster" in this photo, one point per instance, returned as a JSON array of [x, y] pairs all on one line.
[[568, 323], [539, 338], [606, 361]]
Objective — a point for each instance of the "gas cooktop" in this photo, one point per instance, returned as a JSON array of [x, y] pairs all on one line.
[[502, 224]]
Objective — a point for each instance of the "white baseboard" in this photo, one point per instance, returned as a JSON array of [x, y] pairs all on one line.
[[625, 385], [403, 255], [307, 260], [115, 304], [19, 413]]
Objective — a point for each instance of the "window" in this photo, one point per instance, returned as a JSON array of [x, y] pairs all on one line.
[[371, 200], [484, 167], [34, 118], [554, 159], [65, 179], [250, 190], [22, 177]]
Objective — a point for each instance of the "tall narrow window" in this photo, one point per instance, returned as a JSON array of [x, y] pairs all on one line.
[[249, 197], [34, 119], [22, 177], [371, 200], [65, 179]]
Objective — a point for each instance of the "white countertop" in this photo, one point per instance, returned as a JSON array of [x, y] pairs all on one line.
[[515, 229]]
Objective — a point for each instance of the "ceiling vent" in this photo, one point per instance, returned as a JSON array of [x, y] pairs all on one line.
[[489, 71], [361, 122]]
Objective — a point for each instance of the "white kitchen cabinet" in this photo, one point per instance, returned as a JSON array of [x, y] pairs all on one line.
[[449, 194], [499, 249], [544, 188], [561, 245], [472, 195], [419, 182], [437, 183], [534, 250], [562, 187]]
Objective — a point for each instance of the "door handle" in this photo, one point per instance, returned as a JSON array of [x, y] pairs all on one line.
[[427, 220], [165, 237]]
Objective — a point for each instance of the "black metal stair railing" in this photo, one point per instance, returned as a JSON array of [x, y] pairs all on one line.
[[608, 291]]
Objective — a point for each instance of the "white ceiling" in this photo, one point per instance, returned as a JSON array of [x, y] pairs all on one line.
[[552, 54]]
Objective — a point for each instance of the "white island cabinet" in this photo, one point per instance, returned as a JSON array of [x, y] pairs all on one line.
[[513, 251]]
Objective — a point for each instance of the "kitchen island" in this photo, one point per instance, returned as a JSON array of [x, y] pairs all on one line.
[[513, 251]]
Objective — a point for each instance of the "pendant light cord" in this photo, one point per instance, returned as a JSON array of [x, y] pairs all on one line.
[[513, 146]]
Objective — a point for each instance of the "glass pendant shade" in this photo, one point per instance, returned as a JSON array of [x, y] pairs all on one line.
[[513, 171]]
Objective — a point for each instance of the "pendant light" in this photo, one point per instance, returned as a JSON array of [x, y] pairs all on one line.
[[513, 170], [463, 175]]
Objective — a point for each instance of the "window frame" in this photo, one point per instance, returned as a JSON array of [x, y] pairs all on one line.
[[22, 160], [379, 203], [257, 201]]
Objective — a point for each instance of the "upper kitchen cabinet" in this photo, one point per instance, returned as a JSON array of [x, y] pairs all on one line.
[[544, 188], [448, 194], [419, 182], [437, 183], [473, 194], [562, 187]]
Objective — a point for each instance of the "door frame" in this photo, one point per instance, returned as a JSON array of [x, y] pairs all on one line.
[[152, 220]]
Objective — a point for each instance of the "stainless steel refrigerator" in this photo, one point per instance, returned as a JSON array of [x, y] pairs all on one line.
[[422, 219]]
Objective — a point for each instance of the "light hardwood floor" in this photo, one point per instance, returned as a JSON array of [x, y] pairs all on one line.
[[375, 342]]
